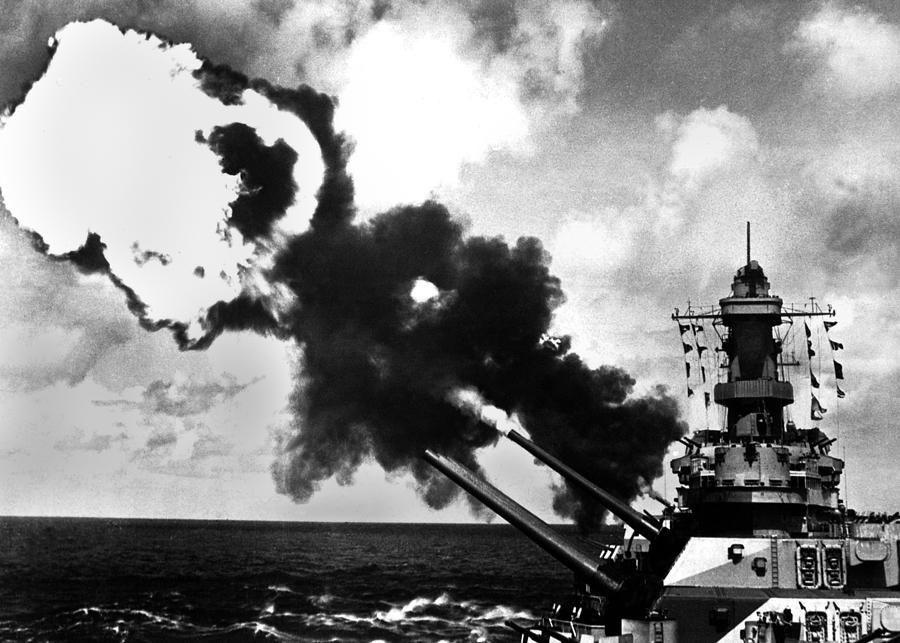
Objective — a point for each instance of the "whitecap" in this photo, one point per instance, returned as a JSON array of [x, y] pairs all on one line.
[[443, 599], [397, 614], [503, 612], [263, 628], [157, 618]]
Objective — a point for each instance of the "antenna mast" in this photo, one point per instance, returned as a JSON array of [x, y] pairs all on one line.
[[748, 244]]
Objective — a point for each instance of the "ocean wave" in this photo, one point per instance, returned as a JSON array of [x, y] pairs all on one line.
[[173, 581], [405, 612], [121, 616], [442, 612], [422, 618], [257, 628], [504, 613], [110, 623]]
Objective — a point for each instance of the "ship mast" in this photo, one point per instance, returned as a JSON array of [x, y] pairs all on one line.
[[748, 244]]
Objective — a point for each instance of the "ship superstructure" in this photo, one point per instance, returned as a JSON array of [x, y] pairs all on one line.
[[757, 474], [758, 546]]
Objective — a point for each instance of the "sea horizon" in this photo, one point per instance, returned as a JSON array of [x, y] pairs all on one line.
[[498, 521]]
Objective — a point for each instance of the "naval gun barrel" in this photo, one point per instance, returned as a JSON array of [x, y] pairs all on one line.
[[645, 525], [569, 552]]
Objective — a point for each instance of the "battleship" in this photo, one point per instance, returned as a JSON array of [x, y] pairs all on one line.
[[757, 547]]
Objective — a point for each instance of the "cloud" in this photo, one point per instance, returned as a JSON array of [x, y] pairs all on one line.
[[705, 142], [187, 397], [181, 397], [173, 435], [161, 439], [57, 431], [710, 177], [415, 104], [196, 451], [596, 243], [865, 221], [859, 50], [211, 445], [428, 89], [490, 73], [57, 324], [97, 442]]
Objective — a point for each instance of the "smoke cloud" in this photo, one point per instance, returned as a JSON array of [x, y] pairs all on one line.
[[379, 367], [381, 354]]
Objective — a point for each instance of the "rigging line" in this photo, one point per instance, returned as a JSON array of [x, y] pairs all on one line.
[[690, 393], [819, 397], [687, 377], [722, 373], [819, 326], [846, 477], [807, 344], [837, 422], [798, 348], [819, 351], [780, 357], [799, 376], [693, 333], [704, 364]]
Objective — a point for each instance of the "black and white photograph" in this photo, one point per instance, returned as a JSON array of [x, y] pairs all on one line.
[[572, 321]]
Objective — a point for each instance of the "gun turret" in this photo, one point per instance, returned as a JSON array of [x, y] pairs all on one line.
[[645, 525]]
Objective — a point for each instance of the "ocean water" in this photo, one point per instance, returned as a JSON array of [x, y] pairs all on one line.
[[159, 580]]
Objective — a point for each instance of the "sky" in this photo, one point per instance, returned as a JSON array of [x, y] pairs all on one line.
[[634, 139]]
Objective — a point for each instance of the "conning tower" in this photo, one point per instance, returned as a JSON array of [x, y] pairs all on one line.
[[757, 474]]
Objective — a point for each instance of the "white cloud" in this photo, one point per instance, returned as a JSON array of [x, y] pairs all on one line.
[[56, 324], [860, 51], [599, 243], [707, 141], [422, 94], [418, 110]]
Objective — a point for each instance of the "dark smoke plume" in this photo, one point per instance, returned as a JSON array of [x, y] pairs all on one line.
[[379, 369], [316, 110], [266, 174]]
